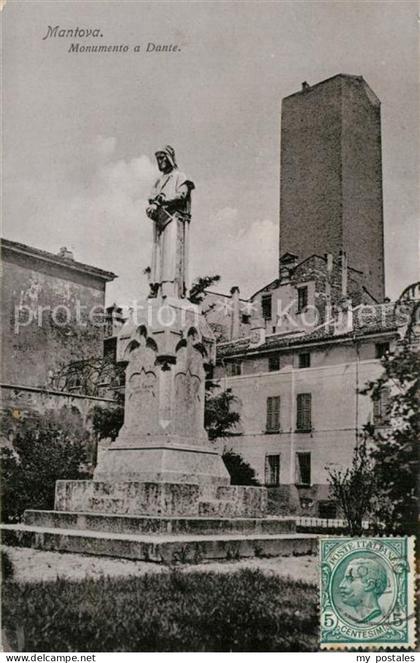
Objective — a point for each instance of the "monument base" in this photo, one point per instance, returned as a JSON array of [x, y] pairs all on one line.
[[160, 499], [163, 462]]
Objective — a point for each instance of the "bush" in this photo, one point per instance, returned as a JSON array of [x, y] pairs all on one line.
[[241, 611], [6, 566], [241, 473], [46, 448]]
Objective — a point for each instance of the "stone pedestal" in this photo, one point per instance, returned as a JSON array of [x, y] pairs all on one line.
[[166, 345]]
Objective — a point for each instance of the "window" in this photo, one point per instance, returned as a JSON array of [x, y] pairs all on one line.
[[302, 298], [234, 368], [303, 412], [274, 363], [266, 307], [381, 407], [381, 349], [304, 360], [273, 414], [245, 319], [303, 468], [272, 470]]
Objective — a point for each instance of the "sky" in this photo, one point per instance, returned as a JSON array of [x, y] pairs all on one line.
[[80, 129]]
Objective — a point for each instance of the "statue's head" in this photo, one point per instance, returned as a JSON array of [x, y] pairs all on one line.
[[363, 576], [166, 159]]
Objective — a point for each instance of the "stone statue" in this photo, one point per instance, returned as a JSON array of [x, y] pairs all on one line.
[[170, 210]]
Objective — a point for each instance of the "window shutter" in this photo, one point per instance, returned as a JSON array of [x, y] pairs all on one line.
[[303, 412], [303, 468], [273, 413], [306, 468], [267, 470], [307, 411], [385, 404], [272, 469]]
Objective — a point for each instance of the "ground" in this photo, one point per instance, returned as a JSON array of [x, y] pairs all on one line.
[[35, 565]]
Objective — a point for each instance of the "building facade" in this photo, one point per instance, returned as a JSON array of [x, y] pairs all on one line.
[[297, 380], [52, 316], [52, 312]]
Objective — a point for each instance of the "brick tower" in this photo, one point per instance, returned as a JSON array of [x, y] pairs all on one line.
[[331, 175]]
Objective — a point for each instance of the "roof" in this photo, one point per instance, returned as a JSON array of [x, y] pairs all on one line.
[[212, 293], [347, 77], [69, 263], [372, 319]]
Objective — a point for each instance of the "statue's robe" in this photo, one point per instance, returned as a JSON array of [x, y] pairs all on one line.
[[170, 251]]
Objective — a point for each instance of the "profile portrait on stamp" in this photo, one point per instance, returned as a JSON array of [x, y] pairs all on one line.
[[364, 582]]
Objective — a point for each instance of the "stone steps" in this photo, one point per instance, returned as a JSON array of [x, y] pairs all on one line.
[[161, 548], [130, 524]]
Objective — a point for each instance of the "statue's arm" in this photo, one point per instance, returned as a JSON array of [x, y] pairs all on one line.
[[181, 194]]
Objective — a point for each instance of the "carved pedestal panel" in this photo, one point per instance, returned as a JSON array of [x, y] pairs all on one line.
[[166, 345]]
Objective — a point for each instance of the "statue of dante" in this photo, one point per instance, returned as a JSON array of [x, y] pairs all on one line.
[[170, 210]]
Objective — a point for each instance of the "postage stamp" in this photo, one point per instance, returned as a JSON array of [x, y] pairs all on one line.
[[367, 592]]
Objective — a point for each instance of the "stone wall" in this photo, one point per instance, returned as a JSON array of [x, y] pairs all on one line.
[[23, 402]]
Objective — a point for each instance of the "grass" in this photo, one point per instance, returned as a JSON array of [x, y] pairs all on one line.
[[242, 611]]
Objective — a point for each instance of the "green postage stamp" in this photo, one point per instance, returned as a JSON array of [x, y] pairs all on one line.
[[367, 592]]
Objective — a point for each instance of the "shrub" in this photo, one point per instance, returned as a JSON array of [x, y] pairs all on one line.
[[241, 473], [46, 448], [354, 488], [176, 611]]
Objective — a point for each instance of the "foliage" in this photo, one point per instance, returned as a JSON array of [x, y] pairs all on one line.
[[6, 566], [90, 377], [46, 448], [219, 417], [241, 473], [395, 451], [199, 287], [354, 488], [382, 481], [176, 611], [107, 421]]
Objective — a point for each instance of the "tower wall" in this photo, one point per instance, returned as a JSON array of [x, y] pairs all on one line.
[[331, 175]]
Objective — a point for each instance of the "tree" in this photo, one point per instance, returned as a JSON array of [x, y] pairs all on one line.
[[354, 488], [395, 451], [241, 473], [107, 421], [199, 287], [45, 448], [381, 483], [219, 418]]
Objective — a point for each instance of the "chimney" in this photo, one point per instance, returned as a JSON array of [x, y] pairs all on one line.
[[344, 275], [287, 263], [64, 252], [305, 85], [343, 323], [234, 327], [330, 264], [257, 335]]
